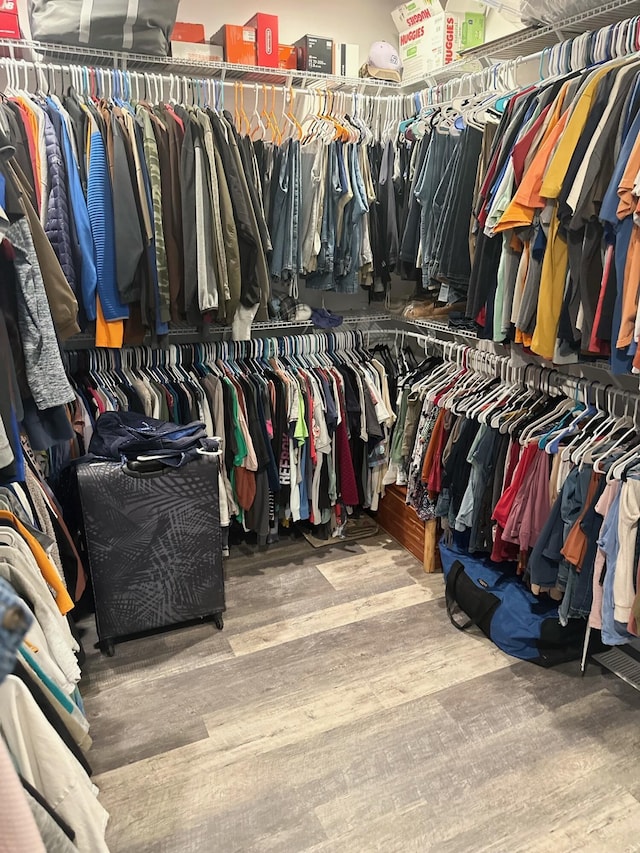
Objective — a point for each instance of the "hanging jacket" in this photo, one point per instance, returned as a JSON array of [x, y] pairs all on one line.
[[45, 372], [152, 158], [58, 226], [188, 198], [128, 233], [79, 220], [254, 272], [62, 302], [100, 207]]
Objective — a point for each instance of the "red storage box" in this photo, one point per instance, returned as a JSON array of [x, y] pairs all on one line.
[[239, 44], [288, 56], [267, 45], [9, 21], [192, 33]]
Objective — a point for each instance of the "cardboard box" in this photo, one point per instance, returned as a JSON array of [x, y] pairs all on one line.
[[266, 27], [239, 44], [472, 30], [414, 50], [196, 51], [431, 44], [409, 15], [346, 59], [315, 54], [288, 57], [192, 33], [9, 20]]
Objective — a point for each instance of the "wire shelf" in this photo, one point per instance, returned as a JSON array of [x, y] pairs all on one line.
[[39, 52], [440, 327], [538, 38], [182, 332]]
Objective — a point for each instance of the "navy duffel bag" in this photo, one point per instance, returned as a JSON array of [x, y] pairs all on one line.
[[495, 599]]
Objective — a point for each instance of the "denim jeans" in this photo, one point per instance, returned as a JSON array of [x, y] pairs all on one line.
[[279, 224], [352, 229], [323, 278]]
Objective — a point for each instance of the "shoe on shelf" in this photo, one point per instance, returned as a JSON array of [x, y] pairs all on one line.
[[417, 310]]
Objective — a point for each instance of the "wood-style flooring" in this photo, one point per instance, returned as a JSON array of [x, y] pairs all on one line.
[[340, 712]]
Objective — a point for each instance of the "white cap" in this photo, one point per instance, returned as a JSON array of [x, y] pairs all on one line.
[[384, 63]]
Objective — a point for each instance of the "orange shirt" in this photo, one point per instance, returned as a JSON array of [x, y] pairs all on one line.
[[47, 569], [527, 199], [109, 333]]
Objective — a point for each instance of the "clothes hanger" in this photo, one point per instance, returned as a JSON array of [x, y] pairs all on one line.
[[339, 131], [276, 130], [582, 411], [256, 124], [520, 404], [628, 459], [244, 119], [483, 408], [291, 113], [310, 118], [236, 110], [611, 426], [287, 123], [630, 433], [543, 423], [589, 439]]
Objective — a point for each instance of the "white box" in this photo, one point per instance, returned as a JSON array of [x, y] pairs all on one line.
[[346, 59], [414, 49], [445, 34], [431, 44], [414, 12], [196, 51]]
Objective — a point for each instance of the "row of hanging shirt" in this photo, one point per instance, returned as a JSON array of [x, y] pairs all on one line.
[[42, 720], [437, 163], [522, 474], [554, 262], [303, 424], [162, 212]]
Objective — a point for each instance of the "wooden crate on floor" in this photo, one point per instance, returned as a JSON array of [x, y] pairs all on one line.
[[403, 524]]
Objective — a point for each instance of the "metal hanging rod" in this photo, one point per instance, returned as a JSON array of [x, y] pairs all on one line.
[[538, 377], [110, 82], [184, 333], [40, 53], [109, 359]]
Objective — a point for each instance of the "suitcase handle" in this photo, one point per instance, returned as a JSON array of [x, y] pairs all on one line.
[[144, 468]]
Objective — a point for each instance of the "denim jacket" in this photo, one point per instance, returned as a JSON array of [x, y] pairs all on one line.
[[15, 620]]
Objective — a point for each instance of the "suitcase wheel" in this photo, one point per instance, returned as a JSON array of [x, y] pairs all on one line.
[[107, 648]]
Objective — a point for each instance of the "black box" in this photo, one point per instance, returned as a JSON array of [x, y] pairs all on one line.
[[315, 54]]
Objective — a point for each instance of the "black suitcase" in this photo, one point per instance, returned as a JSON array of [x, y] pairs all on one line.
[[154, 546]]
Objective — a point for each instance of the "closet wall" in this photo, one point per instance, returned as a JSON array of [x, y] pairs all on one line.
[[348, 22]]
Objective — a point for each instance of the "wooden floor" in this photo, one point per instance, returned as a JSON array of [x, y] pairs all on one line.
[[340, 711]]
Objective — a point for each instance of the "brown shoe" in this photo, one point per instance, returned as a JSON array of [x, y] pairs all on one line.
[[427, 310]]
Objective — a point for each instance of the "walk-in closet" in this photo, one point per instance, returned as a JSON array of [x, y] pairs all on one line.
[[319, 426]]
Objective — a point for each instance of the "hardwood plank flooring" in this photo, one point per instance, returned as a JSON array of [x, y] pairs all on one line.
[[340, 712]]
